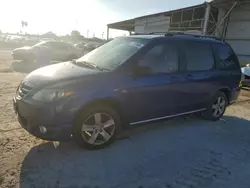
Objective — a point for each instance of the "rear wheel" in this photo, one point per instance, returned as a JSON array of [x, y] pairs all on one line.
[[96, 127], [216, 108]]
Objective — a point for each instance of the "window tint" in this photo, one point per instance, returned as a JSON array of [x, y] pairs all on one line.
[[199, 56], [161, 58], [226, 56]]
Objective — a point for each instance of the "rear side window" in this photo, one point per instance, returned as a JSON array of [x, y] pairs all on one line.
[[227, 58], [199, 56]]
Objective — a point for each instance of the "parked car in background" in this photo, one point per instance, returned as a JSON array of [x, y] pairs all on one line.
[[89, 46], [60, 51], [245, 76], [80, 45], [128, 81]]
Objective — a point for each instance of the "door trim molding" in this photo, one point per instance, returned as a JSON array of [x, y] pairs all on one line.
[[231, 102], [165, 117]]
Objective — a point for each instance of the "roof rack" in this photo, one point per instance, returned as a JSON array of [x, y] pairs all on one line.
[[139, 34], [172, 33]]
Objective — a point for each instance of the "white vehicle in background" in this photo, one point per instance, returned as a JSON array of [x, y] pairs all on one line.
[[245, 76], [88, 47], [59, 51]]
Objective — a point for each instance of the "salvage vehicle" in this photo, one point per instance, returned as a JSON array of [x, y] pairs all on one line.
[[128, 81], [59, 51]]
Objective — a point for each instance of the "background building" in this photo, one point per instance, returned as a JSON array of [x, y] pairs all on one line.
[[226, 19]]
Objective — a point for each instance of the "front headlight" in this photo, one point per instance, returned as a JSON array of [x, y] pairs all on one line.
[[50, 95]]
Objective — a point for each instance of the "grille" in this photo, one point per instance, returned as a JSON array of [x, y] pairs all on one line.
[[23, 90]]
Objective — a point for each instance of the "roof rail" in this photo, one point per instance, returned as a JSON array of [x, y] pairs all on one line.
[[172, 33], [139, 34], [206, 36]]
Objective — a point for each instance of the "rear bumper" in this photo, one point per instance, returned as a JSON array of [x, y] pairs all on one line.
[[32, 118], [234, 95]]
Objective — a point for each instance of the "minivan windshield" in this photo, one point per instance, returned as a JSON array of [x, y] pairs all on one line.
[[112, 54]]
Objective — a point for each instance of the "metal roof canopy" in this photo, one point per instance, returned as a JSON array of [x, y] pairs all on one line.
[[128, 25], [229, 5]]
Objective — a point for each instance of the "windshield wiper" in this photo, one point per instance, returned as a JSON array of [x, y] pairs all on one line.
[[84, 63], [89, 65]]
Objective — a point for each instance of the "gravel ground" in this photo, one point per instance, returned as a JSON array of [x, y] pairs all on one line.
[[183, 152]]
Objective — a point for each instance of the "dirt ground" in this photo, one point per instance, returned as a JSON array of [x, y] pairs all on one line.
[[182, 152]]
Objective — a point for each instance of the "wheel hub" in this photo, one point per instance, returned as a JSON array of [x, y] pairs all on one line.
[[98, 128], [219, 106]]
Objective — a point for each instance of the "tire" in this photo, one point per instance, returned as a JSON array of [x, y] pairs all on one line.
[[215, 105], [97, 118]]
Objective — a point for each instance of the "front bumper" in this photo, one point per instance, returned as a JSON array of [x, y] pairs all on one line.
[[58, 123]]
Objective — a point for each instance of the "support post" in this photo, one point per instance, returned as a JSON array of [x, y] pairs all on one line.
[[108, 33], [228, 12], [206, 18]]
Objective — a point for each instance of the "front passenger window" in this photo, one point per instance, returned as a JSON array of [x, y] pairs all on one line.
[[161, 58]]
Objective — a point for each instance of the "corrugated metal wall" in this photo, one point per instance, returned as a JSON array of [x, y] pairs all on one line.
[[238, 32], [152, 24]]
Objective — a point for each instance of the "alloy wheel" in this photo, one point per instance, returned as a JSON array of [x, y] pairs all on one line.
[[98, 129], [219, 106]]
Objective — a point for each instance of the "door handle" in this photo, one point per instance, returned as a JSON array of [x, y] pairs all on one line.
[[190, 76], [174, 77]]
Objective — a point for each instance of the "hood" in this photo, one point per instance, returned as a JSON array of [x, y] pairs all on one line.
[[58, 72], [23, 48], [245, 71]]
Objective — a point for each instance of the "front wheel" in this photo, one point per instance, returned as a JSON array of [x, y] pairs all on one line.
[[216, 108], [96, 127]]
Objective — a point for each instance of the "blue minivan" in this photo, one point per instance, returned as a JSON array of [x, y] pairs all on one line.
[[128, 81]]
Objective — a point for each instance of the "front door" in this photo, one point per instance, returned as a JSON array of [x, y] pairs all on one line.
[[158, 93]]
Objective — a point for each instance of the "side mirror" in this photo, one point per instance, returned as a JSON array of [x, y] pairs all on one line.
[[141, 70]]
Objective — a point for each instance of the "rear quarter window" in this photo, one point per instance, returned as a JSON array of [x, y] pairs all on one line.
[[226, 56]]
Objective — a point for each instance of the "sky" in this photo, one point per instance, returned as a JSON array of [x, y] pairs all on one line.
[[86, 16]]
